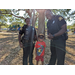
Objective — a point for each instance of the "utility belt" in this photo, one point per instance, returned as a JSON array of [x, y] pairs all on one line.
[[27, 43], [58, 37], [64, 37], [26, 40]]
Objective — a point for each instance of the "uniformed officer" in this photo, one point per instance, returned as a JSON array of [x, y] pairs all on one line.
[[27, 41], [56, 28]]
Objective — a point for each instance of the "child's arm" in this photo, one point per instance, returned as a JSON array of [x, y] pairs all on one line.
[[44, 52], [35, 51]]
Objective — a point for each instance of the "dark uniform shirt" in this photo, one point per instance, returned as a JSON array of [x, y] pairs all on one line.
[[25, 30], [54, 25]]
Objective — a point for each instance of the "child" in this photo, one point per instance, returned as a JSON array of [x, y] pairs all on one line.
[[40, 48]]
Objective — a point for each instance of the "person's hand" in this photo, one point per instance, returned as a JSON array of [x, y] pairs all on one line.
[[50, 36], [21, 45], [35, 38]]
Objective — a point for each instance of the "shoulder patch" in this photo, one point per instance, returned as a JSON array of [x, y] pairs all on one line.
[[60, 18]]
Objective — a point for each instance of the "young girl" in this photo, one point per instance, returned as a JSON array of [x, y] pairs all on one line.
[[40, 48]]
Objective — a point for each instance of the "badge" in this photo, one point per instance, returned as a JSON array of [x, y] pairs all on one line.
[[53, 22], [60, 18]]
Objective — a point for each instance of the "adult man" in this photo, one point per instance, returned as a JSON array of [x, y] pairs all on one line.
[[27, 41], [56, 26]]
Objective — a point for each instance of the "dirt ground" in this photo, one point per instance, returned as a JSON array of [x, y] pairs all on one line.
[[11, 53]]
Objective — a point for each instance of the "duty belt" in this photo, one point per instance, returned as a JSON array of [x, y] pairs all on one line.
[[28, 41], [56, 38]]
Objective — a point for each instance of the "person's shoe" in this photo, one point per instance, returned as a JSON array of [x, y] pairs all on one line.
[[31, 64], [46, 64]]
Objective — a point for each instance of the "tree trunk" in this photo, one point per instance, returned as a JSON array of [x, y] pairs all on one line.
[[33, 18], [41, 23]]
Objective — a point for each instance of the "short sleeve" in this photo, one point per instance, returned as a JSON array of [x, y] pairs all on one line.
[[21, 30], [61, 21]]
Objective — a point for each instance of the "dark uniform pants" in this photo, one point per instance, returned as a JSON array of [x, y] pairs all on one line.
[[28, 51], [58, 51]]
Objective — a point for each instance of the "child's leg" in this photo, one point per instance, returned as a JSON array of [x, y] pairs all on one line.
[[42, 63], [42, 60], [36, 62], [37, 59]]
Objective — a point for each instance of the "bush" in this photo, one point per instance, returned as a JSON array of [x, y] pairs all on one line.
[[72, 30]]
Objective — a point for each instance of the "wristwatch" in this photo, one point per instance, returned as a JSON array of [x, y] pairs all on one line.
[[53, 35]]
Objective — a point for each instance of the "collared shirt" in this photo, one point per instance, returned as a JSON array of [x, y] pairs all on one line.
[[26, 31], [55, 24]]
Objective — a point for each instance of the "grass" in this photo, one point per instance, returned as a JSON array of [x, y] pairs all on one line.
[[11, 53]]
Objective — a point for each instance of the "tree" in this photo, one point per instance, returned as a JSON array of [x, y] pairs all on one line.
[[3, 18], [74, 25], [69, 27], [41, 21], [3, 21], [36, 14]]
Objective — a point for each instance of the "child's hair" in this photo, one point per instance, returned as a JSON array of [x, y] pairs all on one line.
[[40, 35]]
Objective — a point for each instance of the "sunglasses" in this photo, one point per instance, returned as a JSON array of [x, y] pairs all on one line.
[[41, 37]]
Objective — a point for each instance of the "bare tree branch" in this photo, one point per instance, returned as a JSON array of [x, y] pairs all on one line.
[[17, 16]]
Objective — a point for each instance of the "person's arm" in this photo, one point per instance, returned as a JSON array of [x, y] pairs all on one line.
[[35, 51], [36, 39], [63, 26], [62, 31], [20, 43], [19, 36], [47, 30], [35, 35]]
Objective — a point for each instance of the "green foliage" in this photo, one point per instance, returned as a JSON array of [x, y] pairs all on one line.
[[74, 25], [69, 26], [15, 20]]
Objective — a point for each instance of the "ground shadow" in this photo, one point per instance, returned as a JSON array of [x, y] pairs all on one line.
[[8, 53], [70, 60], [13, 56]]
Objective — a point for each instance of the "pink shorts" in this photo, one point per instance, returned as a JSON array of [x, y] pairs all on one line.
[[39, 57]]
